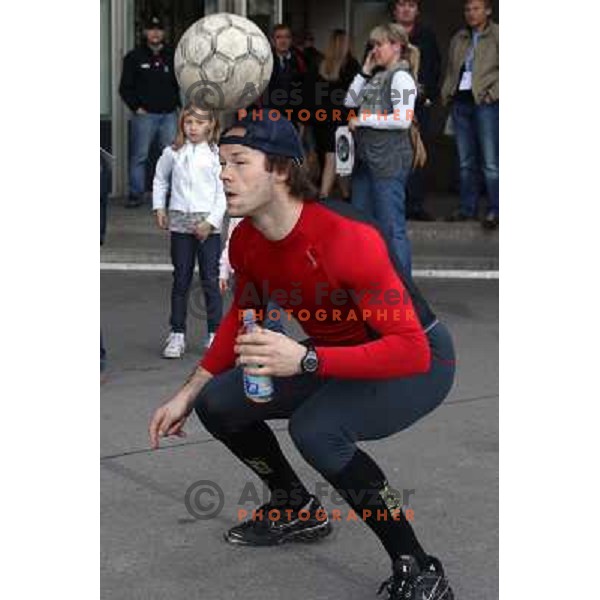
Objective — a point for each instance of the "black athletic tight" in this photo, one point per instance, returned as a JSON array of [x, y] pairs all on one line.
[[328, 417]]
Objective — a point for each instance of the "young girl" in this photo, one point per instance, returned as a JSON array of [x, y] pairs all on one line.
[[190, 169], [384, 145]]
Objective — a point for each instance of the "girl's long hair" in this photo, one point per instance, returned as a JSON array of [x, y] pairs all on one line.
[[392, 32], [201, 114], [336, 55]]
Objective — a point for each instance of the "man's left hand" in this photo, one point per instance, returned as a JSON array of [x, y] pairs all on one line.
[[269, 353], [487, 98]]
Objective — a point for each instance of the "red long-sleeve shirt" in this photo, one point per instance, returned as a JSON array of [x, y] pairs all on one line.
[[335, 274]]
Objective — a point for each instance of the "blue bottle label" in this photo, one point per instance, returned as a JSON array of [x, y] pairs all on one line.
[[258, 388]]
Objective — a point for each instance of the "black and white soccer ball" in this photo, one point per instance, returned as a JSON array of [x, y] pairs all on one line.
[[223, 62]]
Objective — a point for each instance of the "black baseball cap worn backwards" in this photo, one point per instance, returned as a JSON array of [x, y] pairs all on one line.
[[271, 136]]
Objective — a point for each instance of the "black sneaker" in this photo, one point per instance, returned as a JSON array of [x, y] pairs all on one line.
[[409, 582], [288, 527]]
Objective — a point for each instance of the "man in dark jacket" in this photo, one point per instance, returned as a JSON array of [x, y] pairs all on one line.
[[406, 13], [150, 90], [286, 89]]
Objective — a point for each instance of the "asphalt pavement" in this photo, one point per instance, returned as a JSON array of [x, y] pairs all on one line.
[[153, 548]]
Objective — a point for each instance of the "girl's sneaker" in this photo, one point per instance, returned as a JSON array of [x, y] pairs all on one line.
[[174, 345]]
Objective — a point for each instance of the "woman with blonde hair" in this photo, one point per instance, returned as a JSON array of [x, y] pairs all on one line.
[[382, 130], [336, 71]]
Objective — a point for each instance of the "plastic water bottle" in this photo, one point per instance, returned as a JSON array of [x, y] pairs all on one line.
[[258, 388]]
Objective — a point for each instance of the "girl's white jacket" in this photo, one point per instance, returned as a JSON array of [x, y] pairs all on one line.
[[192, 174]]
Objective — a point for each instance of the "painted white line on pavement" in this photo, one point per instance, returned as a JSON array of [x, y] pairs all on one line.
[[454, 274], [119, 266], [418, 273]]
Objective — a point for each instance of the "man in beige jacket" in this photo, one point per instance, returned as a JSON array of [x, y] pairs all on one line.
[[471, 87]]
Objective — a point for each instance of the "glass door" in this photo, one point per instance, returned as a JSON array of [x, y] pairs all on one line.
[[265, 13], [218, 6]]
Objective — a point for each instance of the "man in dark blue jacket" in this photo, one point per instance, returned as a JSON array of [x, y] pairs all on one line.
[[287, 86], [406, 13], [150, 90]]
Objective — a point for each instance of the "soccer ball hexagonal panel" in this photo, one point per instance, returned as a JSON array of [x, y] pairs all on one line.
[[232, 43]]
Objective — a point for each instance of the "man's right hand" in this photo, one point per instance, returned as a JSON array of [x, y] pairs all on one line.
[[171, 416], [141, 111], [169, 419]]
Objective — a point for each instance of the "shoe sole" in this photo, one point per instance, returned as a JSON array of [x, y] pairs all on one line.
[[306, 536], [444, 593]]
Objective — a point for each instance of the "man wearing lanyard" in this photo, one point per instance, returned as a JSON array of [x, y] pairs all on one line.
[[472, 88]]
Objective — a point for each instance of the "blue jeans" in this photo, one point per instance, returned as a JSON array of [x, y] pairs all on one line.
[[144, 129], [477, 126], [185, 248], [383, 199]]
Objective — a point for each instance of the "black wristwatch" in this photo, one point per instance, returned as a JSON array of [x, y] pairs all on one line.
[[310, 362]]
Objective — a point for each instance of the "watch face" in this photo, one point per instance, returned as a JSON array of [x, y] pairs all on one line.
[[310, 362]]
